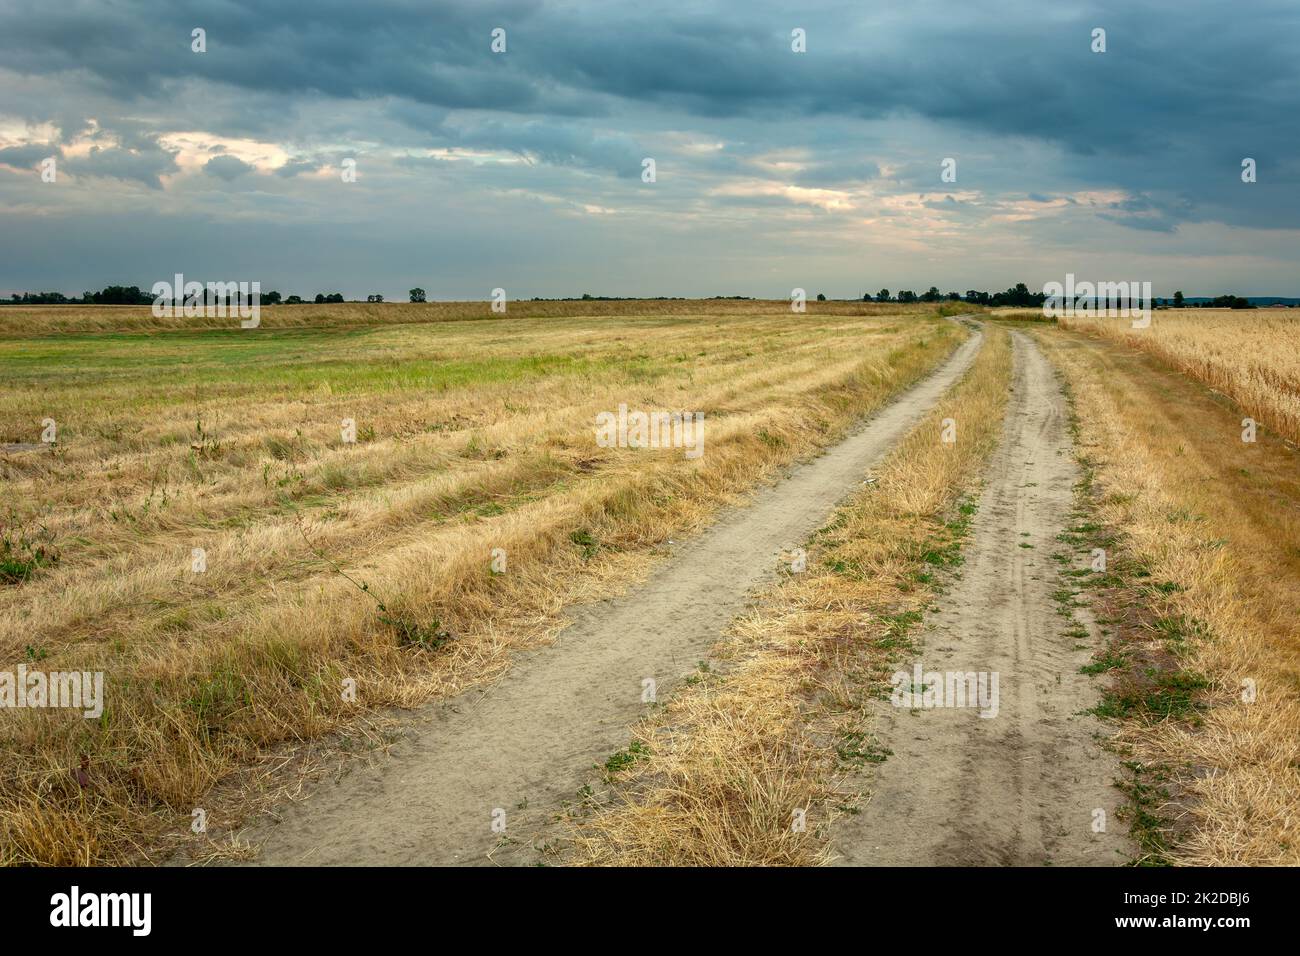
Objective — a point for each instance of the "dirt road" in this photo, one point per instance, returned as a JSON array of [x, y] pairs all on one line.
[[512, 752], [1020, 787]]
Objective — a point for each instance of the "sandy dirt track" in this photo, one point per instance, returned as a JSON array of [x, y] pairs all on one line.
[[526, 743], [1019, 788]]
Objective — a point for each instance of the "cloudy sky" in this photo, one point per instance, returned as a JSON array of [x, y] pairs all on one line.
[[774, 169]]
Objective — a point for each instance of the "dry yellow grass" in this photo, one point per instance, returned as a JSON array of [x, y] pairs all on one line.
[[471, 436], [1211, 525], [725, 764], [1250, 355], [45, 319]]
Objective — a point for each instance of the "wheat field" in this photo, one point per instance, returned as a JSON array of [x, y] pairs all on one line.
[[1250, 355]]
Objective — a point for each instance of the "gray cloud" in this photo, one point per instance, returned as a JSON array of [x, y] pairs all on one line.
[[1057, 147], [145, 166], [25, 157], [227, 167]]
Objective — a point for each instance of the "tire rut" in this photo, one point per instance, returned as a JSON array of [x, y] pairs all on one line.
[[523, 745], [1021, 787]]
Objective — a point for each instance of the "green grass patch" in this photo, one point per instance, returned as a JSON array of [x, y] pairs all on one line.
[[622, 759], [1157, 695]]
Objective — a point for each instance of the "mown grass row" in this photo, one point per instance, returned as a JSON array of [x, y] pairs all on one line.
[[382, 583]]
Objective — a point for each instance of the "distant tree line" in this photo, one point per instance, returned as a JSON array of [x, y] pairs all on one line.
[[1218, 302], [112, 295], [1017, 295], [134, 295]]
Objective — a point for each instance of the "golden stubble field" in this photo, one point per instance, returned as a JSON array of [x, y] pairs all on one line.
[[327, 562], [1200, 649], [330, 563]]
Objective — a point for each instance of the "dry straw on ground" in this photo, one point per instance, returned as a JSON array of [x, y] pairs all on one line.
[[472, 435], [720, 770], [1214, 525]]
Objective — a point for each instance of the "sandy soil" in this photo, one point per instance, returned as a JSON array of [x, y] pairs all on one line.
[[521, 747], [1021, 787]]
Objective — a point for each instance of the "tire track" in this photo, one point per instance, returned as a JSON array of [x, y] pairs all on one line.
[[1020, 788], [524, 745]]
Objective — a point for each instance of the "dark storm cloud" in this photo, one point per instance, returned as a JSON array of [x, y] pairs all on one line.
[[1172, 71], [425, 52], [1011, 89]]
